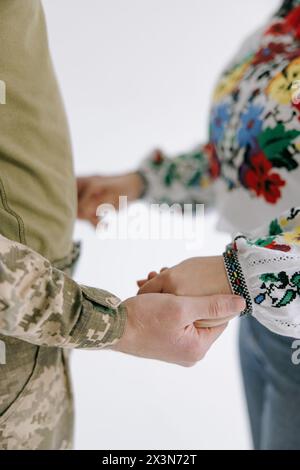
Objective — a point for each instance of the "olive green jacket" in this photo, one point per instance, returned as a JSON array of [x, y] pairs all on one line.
[[43, 312]]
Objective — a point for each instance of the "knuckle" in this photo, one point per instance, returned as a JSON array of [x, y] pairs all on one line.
[[213, 308], [169, 279], [177, 312], [216, 307]]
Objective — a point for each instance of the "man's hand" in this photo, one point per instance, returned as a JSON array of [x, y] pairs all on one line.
[[163, 326], [96, 190], [192, 277]]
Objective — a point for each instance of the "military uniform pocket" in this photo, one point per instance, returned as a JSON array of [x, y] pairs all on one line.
[[42, 416], [25, 390]]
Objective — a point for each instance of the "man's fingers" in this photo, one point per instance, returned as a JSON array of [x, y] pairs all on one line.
[[213, 322], [201, 340], [209, 335], [210, 307]]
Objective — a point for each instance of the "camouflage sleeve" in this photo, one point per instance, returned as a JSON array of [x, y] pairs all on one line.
[[42, 305]]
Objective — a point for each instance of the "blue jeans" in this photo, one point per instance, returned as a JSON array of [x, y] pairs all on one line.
[[272, 386]]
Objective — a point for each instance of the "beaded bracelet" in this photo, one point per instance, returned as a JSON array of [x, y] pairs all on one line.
[[236, 277]]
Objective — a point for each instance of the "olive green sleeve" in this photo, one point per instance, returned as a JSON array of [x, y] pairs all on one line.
[[42, 305]]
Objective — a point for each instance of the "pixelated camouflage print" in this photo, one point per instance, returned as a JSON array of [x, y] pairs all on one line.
[[44, 306], [44, 314], [41, 417]]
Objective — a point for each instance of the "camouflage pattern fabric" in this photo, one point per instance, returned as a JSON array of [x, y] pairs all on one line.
[[43, 313]]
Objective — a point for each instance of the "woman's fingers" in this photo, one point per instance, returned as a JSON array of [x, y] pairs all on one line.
[[141, 282], [153, 285], [151, 275]]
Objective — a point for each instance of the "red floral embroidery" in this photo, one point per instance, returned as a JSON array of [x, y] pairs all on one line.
[[278, 29], [290, 24], [268, 53], [293, 21], [259, 178], [296, 105], [214, 163], [157, 157], [274, 246]]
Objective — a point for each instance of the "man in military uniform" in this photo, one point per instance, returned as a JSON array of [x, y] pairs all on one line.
[[43, 312]]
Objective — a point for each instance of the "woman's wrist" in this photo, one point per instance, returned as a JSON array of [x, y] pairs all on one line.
[[136, 185], [226, 287]]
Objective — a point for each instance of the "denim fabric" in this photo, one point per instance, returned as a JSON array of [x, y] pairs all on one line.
[[272, 386]]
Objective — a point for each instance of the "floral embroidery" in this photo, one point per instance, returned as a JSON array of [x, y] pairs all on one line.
[[280, 288], [280, 87], [261, 180], [293, 20], [219, 118], [251, 126], [231, 79], [278, 247], [214, 163], [290, 22], [269, 126], [157, 158], [277, 226], [278, 147], [270, 243], [279, 28], [293, 237], [255, 122], [268, 53]]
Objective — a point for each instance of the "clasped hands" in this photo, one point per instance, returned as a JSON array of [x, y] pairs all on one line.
[[178, 313], [196, 277]]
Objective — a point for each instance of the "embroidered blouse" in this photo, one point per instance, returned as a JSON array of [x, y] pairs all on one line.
[[249, 169]]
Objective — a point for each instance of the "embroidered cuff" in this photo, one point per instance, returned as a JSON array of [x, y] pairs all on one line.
[[236, 277]]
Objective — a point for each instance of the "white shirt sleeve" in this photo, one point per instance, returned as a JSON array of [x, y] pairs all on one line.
[[264, 267]]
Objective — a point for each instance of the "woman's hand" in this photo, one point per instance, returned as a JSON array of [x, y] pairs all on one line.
[[193, 277], [95, 190]]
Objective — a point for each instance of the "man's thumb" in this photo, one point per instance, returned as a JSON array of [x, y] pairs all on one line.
[[222, 306], [213, 307]]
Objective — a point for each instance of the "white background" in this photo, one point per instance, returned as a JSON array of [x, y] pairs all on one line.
[[136, 74]]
